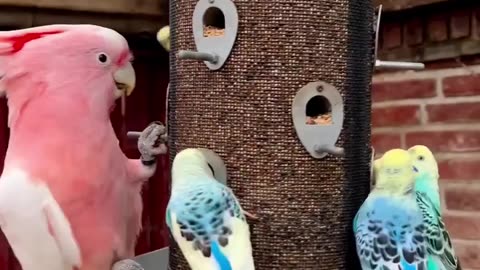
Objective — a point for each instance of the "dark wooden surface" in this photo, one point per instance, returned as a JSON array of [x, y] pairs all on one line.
[[393, 5]]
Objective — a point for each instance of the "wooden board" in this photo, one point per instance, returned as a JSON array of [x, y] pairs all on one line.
[[394, 5], [147, 7], [18, 17]]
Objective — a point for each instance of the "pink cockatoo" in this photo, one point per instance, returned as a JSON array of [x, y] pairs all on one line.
[[69, 197]]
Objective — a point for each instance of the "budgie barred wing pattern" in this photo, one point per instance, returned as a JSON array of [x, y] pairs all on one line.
[[438, 239], [378, 249], [204, 214]]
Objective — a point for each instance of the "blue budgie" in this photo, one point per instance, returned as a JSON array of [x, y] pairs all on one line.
[[204, 216], [441, 255], [389, 228]]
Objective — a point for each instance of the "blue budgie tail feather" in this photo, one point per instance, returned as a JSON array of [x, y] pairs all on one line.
[[220, 257], [407, 266]]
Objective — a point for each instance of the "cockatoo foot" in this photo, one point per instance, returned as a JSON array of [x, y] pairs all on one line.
[[152, 142], [127, 265]]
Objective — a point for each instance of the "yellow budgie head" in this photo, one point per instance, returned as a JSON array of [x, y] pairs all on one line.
[[424, 161], [395, 171], [163, 36]]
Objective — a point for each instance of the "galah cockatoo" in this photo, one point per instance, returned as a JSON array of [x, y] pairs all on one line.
[[69, 197], [389, 229]]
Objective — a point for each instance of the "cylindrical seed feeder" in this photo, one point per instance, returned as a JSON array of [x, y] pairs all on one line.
[[290, 60]]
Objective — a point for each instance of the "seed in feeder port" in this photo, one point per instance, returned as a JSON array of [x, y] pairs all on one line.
[[211, 31], [323, 119]]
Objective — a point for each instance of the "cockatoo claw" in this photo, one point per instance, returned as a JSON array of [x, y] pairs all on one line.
[[152, 141], [127, 265]]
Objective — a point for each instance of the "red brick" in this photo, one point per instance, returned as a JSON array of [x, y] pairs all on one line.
[[392, 35], [396, 116], [383, 142], [462, 198], [466, 85], [409, 89], [468, 254], [437, 28], [462, 62], [460, 24], [446, 141], [463, 227], [414, 32], [454, 113], [461, 169]]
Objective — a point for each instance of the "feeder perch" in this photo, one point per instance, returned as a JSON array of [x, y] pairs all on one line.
[[213, 49], [317, 99]]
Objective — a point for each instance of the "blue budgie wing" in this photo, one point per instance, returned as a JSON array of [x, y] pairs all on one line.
[[211, 221], [438, 239], [395, 243]]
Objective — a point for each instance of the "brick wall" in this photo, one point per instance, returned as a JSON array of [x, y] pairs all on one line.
[[441, 109]]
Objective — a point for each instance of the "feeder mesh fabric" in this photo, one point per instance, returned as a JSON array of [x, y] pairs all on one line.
[[243, 112]]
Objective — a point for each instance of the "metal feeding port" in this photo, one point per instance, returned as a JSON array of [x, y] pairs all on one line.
[[215, 27]]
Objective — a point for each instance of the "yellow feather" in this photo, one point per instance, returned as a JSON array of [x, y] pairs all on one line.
[[395, 172], [163, 37], [424, 160]]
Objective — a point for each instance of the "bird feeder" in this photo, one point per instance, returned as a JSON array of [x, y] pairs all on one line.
[[281, 91]]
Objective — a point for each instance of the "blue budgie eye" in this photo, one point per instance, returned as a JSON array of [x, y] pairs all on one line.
[[421, 158]]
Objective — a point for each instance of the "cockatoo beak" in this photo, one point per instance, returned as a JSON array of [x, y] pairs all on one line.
[[125, 80]]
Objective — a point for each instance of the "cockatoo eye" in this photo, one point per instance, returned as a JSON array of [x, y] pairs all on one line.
[[103, 58]]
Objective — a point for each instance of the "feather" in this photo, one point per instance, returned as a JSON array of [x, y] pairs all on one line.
[[209, 221], [388, 235], [35, 226]]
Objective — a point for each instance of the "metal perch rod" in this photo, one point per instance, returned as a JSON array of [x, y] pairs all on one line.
[[203, 56], [330, 149], [134, 134], [379, 64]]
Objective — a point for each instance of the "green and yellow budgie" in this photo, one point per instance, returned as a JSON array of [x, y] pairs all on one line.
[[163, 37], [441, 255], [389, 229]]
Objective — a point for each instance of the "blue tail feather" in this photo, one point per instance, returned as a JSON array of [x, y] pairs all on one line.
[[407, 266], [221, 259]]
